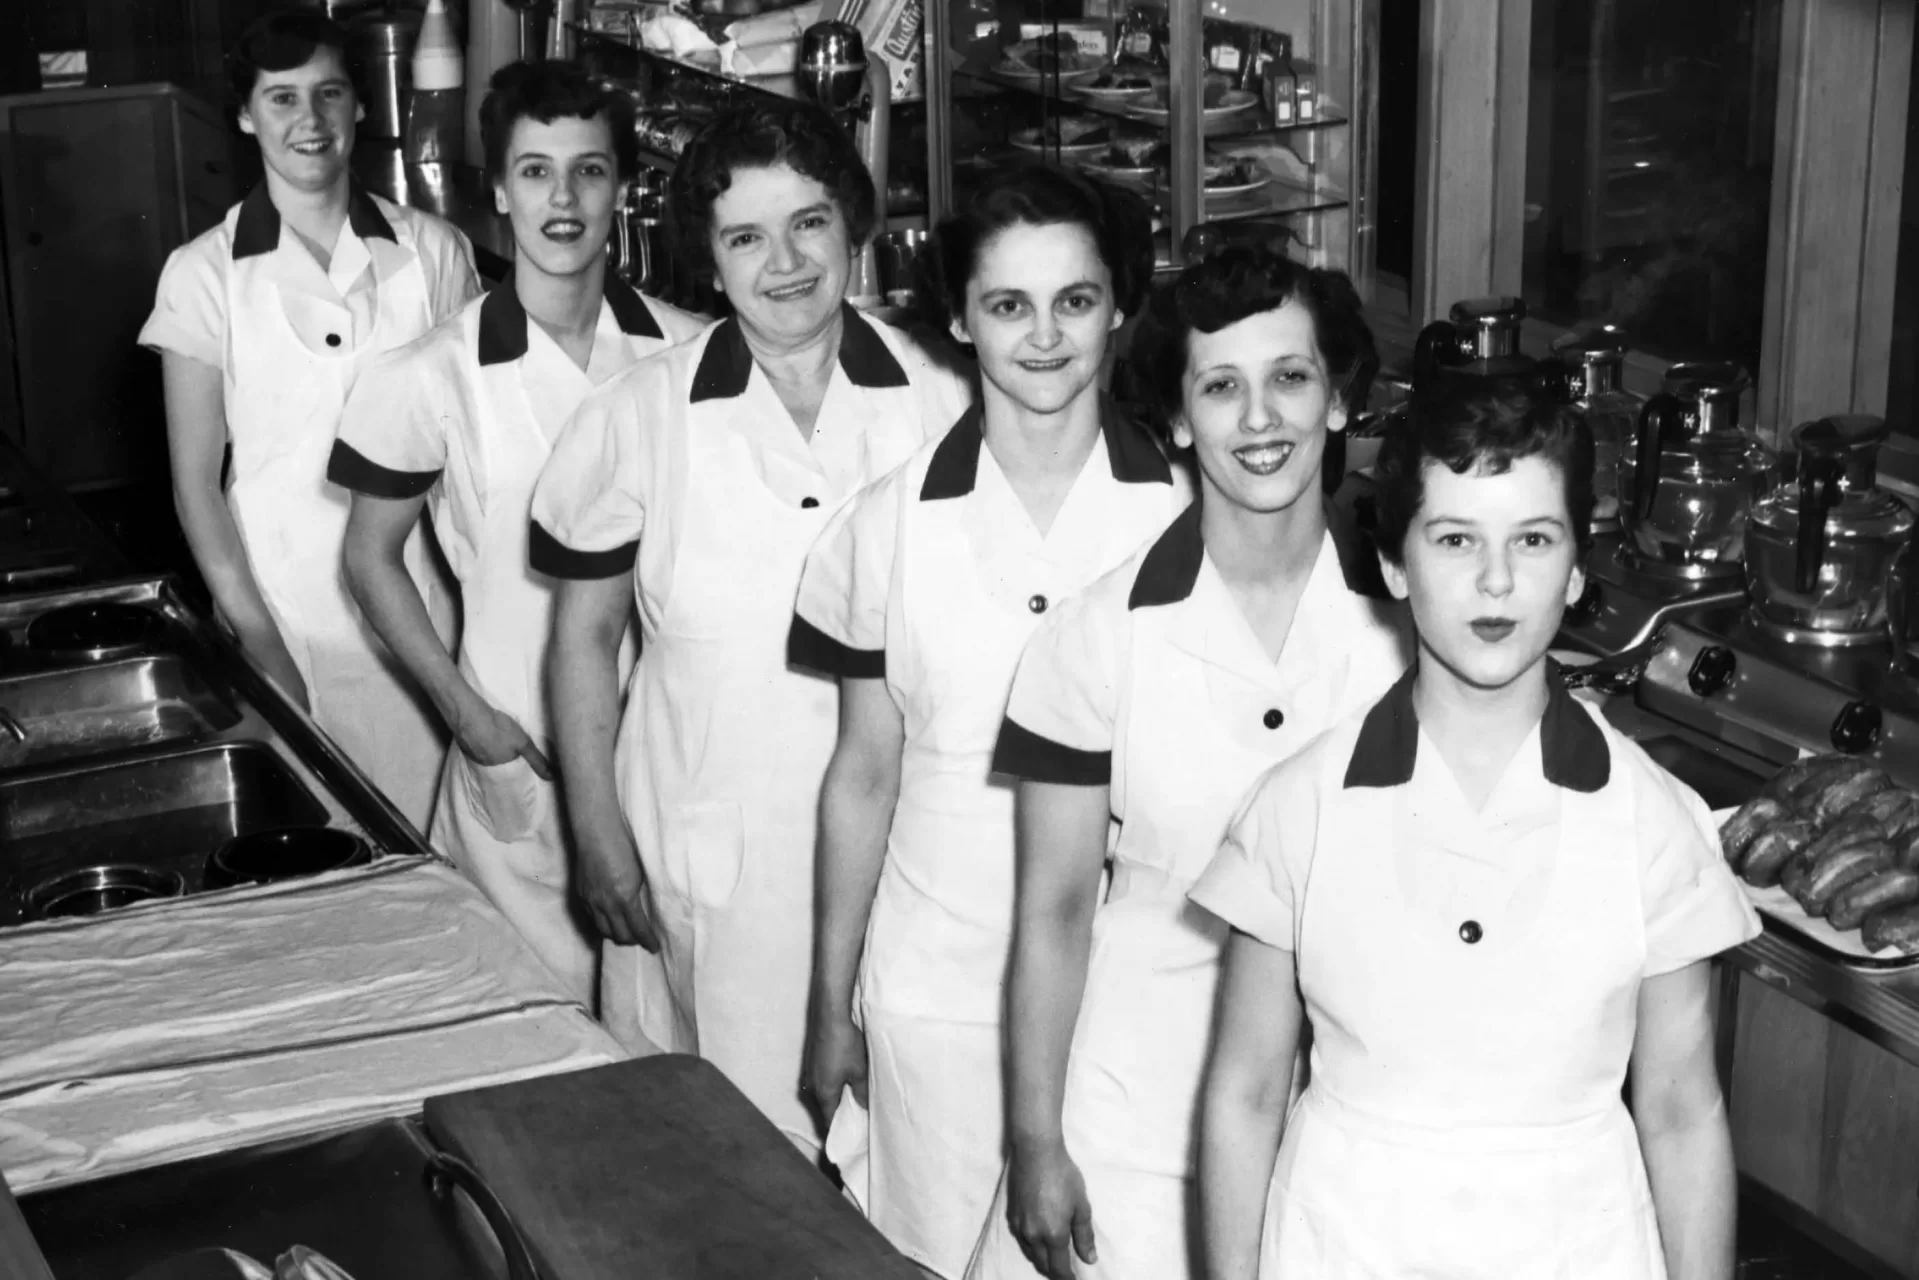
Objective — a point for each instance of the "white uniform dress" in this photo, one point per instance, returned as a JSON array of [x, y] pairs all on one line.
[[1153, 683], [1472, 979], [468, 415], [249, 299], [934, 579], [689, 474]]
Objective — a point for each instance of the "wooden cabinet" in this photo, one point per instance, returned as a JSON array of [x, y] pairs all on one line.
[[1829, 1122], [97, 186]]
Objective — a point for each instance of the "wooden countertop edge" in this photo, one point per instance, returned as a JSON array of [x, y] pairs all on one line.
[[20, 1257]]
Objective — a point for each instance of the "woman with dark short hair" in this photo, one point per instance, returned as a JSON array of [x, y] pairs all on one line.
[[462, 420], [1494, 910], [696, 483], [1152, 701], [263, 324], [919, 599]]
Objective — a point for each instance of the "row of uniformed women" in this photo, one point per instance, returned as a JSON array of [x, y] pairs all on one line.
[[317, 309], [1176, 656]]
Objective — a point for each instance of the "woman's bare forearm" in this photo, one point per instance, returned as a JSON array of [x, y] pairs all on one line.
[[856, 817], [377, 576], [1062, 836], [589, 619]]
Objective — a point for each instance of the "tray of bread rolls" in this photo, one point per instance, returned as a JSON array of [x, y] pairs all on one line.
[[1829, 848]]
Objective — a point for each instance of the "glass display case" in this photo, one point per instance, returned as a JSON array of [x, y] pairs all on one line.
[[1237, 119]]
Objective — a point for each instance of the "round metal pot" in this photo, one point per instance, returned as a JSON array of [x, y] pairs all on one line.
[[284, 853], [93, 890], [95, 632]]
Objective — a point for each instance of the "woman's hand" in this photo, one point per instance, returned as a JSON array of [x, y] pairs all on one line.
[[613, 885], [1047, 1209], [835, 1059], [490, 736]]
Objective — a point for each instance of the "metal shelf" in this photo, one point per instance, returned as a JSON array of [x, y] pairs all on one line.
[[1251, 122]]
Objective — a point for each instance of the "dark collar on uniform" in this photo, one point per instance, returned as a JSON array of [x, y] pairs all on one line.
[[1171, 566], [257, 230], [1572, 751], [503, 320], [954, 468], [726, 364]]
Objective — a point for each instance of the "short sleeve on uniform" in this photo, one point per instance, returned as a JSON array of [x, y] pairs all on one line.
[[1252, 881], [1060, 718], [393, 431], [189, 315], [1694, 908], [447, 257], [589, 503], [839, 617]]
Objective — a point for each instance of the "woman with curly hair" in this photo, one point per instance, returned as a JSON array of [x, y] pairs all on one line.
[[695, 483], [1142, 711]]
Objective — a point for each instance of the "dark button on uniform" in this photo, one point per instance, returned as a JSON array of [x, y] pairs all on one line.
[[333, 339], [809, 503], [1470, 932], [1037, 604], [1273, 718]]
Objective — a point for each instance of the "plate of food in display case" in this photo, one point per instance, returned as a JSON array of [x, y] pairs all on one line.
[[1132, 159], [1068, 135], [1217, 98], [1829, 848], [1055, 54], [1118, 84], [1233, 176]]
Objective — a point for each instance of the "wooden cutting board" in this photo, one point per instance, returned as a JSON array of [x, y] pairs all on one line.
[[657, 1169]]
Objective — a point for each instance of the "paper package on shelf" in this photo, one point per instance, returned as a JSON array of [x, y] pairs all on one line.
[[166, 1033], [891, 30]]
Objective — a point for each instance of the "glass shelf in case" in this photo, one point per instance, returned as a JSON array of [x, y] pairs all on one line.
[[1016, 78]]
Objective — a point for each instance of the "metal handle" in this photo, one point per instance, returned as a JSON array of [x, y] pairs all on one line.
[[1818, 494], [14, 729], [443, 1170], [1648, 438]]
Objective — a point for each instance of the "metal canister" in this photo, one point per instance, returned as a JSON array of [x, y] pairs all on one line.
[[383, 56]]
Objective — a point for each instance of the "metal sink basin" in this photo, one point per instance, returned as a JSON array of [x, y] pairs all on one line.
[[51, 716], [166, 811]]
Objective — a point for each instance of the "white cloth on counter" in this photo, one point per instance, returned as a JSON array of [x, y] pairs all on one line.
[[233, 1019]]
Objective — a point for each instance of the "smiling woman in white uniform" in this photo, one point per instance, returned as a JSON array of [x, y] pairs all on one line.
[[698, 482], [920, 599], [262, 325], [1491, 904], [464, 418], [1153, 701]]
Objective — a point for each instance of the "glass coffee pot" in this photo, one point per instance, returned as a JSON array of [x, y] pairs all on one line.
[[1586, 369], [1686, 490], [1820, 553], [1479, 338]]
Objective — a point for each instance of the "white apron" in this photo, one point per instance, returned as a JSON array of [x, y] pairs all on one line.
[[501, 823], [283, 406], [1517, 1159], [1194, 744], [725, 747], [933, 967]]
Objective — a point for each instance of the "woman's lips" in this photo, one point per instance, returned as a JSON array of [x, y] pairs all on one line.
[[563, 230], [1264, 459], [791, 292], [1045, 366], [1493, 630], [312, 146]]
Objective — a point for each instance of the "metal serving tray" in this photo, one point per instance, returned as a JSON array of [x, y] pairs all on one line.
[[167, 811], [53, 716]]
